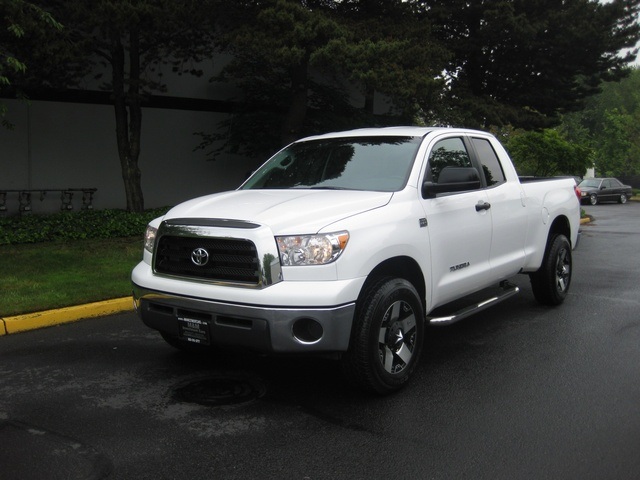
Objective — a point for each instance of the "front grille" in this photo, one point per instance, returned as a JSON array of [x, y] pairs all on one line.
[[229, 260]]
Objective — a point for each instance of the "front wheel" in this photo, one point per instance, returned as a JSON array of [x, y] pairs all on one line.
[[387, 336], [551, 282], [623, 198], [593, 199]]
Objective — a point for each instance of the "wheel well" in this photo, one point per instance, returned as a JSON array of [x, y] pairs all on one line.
[[560, 226], [400, 267]]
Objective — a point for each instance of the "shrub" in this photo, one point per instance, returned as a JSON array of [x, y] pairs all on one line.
[[75, 225]]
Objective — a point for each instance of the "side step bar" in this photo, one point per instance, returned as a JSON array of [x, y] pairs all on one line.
[[508, 290]]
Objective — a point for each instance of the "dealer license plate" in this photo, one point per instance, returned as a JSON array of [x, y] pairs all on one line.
[[194, 330]]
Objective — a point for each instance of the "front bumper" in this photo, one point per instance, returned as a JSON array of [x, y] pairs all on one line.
[[258, 328]]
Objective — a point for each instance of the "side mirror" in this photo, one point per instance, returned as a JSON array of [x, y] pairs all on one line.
[[452, 179]]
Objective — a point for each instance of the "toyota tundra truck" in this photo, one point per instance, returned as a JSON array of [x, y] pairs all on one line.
[[351, 244]]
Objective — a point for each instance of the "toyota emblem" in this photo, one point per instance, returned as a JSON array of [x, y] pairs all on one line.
[[200, 257]]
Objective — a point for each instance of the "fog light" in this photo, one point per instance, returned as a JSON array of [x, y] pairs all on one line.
[[307, 330]]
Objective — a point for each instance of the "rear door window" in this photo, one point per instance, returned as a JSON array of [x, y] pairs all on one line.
[[491, 167]]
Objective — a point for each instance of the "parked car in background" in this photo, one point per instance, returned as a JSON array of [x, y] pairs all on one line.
[[596, 190]]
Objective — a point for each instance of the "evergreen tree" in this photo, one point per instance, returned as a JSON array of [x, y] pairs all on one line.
[[299, 64], [526, 61]]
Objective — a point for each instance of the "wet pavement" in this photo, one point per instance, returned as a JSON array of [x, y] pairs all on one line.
[[517, 391]]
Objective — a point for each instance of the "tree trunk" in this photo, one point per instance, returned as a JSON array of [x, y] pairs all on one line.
[[292, 126], [128, 117], [369, 98]]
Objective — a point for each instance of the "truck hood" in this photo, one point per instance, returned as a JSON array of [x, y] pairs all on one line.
[[286, 212]]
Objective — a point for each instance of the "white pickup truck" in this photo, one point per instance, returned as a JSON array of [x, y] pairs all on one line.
[[350, 243]]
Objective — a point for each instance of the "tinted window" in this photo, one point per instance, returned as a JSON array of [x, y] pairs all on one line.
[[490, 163], [448, 153], [362, 163]]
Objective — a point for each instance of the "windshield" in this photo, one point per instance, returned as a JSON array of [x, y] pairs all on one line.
[[350, 163], [590, 183]]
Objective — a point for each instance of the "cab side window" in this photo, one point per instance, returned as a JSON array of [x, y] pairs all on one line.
[[491, 167], [446, 155]]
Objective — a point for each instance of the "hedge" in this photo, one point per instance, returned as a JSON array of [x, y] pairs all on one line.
[[75, 225]]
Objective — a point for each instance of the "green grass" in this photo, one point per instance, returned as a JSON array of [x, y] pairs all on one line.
[[36, 277]]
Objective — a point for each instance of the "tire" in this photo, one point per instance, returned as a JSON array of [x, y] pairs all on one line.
[[387, 336], [593, 199], [551, 282], [623, 198]]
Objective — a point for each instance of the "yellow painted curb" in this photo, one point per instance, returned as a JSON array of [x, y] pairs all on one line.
[[32, 321]]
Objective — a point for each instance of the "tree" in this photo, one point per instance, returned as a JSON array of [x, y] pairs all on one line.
[[618, 152], [524, 62], [297, 63], [610, 125], [128, 39], [392, 52], [275, 46], [19, 16], [546, 153]]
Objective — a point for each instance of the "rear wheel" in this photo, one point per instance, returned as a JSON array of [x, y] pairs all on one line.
[[387, 336], [551, 282]]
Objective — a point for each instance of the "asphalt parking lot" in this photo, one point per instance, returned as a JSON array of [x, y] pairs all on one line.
[[517, 391]]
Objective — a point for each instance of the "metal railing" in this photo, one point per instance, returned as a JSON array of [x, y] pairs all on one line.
[[26, 196]]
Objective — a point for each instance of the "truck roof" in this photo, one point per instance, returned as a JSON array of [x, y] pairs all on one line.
[[401, 131]]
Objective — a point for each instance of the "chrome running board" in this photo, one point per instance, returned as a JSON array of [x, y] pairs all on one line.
[[508, 290]]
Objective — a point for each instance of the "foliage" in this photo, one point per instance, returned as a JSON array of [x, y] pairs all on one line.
[[610, 125], [391, 51], [19, 17], [274, 45], [522, 62], [444, 62], [75, 225], [546, 153], [298, 63]]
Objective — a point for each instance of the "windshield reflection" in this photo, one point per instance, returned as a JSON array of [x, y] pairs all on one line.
[[356, 163]]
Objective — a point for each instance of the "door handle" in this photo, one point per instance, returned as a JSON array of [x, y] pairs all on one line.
[[482, 206]]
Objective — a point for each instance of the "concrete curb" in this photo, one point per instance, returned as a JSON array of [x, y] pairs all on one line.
[[48, 318]]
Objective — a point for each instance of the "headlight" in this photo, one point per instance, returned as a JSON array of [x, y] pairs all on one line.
[[311, 249], [150, 238]]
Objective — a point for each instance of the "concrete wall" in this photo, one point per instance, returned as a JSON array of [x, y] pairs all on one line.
[[57, 145]]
